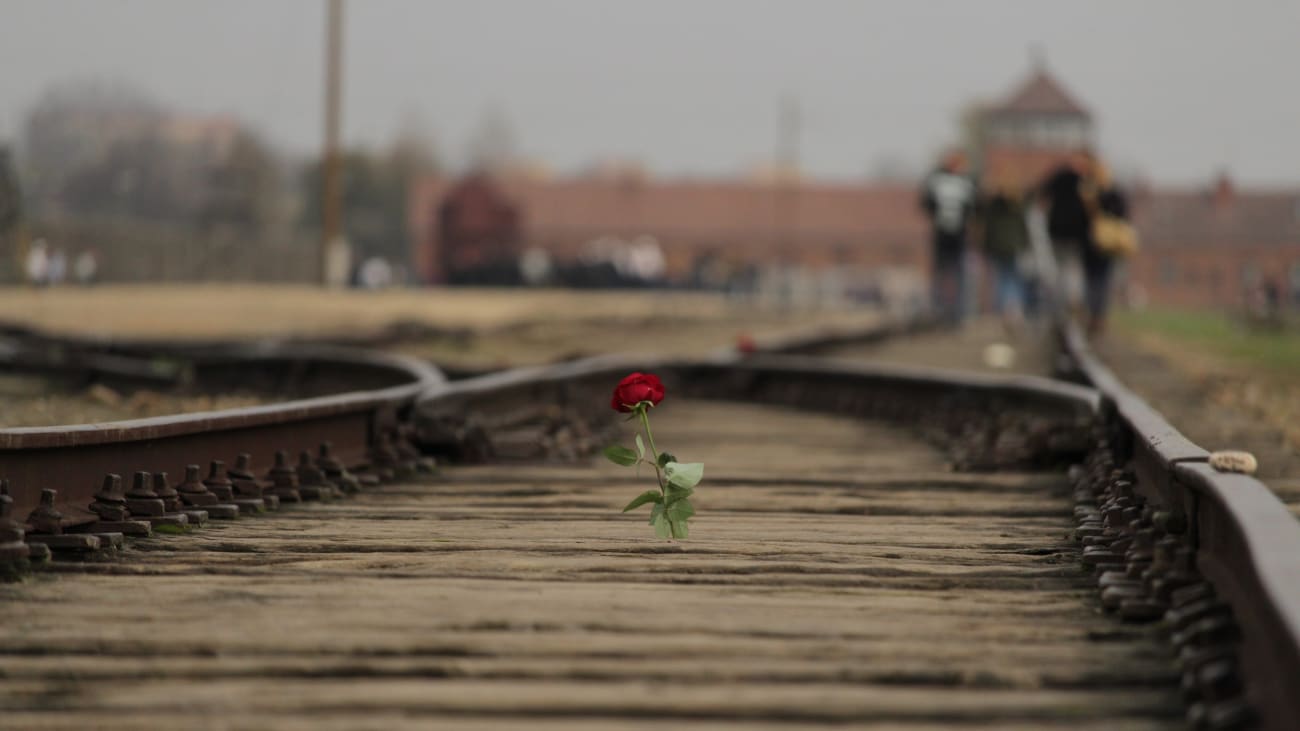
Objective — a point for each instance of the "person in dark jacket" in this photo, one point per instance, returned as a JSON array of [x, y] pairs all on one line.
[[948, 199], [1069, 224], [1006, 244], [1102, 197]]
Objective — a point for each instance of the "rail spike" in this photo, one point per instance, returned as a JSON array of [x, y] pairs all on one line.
[[311, 480], [284, 480], [221, 485], [14, 551], [335, 470], [246, 484]]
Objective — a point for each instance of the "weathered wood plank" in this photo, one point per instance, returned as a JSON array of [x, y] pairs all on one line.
[[871, 588]]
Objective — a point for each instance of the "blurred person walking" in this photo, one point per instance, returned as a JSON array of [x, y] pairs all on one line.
[[85, 267], [58, 268], [37, 265], [1006, 247], [948, 199], [1111, 238], [1069, 224]]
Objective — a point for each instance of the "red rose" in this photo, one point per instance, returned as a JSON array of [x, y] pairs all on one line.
[[636, 388]]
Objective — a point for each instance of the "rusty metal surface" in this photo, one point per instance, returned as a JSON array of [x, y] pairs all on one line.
[[1243, 540], [994, 421], [73, 459]]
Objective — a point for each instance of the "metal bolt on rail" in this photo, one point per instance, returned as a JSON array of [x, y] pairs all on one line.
[[383, 458], [141, 500], [311, 480], [406, 450], [173, 504], [14, 551], [335, 471], [195, 493], [114, 516], [45, 518], [109, 503], [221, 486], [284, 480], [45, 525], [246, 483], [145, 503], [37, 553]]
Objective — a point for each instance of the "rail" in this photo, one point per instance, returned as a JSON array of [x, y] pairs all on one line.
[[372, 390], [1242, 539]]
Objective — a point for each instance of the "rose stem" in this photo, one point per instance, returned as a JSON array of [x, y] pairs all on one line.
[[654, 452]]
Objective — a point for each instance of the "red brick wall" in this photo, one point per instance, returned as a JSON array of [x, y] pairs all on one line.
[[1211, 277]]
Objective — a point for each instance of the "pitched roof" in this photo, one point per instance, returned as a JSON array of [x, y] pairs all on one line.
[[1040, 94]]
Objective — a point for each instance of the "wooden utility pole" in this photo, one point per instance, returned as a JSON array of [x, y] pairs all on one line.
[[787, 194], [331, 164], [787, 179]]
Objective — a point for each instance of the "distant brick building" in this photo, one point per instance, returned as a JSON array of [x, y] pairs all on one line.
[[816, 225], [1200, 248], [1218, 246]]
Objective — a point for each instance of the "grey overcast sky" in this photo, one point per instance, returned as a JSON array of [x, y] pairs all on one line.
[[1180, 88]]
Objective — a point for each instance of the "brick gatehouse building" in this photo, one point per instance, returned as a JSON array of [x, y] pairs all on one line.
[[1213, 246]]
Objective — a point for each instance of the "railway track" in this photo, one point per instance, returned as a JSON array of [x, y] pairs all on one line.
[[840, 573]]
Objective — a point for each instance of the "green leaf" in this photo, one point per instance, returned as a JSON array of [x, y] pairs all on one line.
[[678, 528], [663, 528], [680, 510], [656, 513], [688, 474], [649, 496], [620, 455], [665, 458], [676, 493], [640, 447]]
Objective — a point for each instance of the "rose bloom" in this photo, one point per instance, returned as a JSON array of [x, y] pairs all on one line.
[[636, 388]]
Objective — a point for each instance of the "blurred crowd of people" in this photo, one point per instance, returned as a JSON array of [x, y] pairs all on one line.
[[46, 266], [1070, 268]]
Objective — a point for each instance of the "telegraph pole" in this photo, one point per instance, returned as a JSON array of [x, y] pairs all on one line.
[[787, 190], [332, 188], [787, 171]]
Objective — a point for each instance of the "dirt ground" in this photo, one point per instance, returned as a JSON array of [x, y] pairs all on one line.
[[250, 311], [1217, 403], [468, 328]]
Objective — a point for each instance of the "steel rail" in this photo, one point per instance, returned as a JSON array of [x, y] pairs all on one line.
[[1246, 544], [1039, 420], [73, 459]]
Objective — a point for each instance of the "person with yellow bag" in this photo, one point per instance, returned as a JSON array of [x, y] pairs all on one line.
[[1111, 237]]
